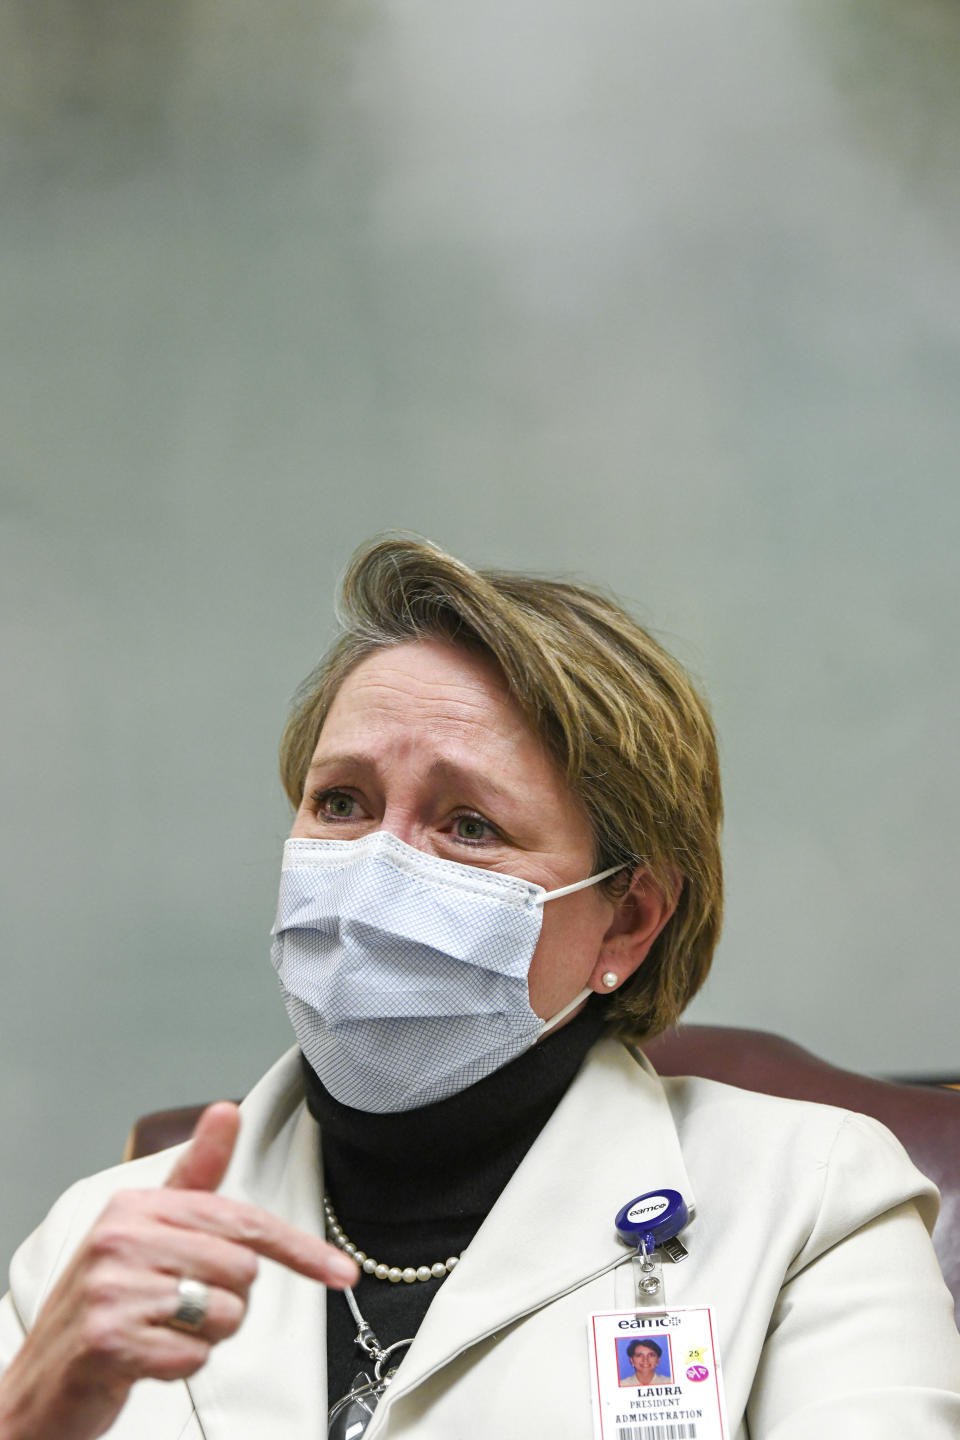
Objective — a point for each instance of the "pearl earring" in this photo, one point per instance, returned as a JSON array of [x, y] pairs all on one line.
[[610, 978]]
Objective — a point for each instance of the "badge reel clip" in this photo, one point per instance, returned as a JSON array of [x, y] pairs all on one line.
[[651, 1224]]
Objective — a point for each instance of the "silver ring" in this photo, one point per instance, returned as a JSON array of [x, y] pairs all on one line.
[[193, 1303]]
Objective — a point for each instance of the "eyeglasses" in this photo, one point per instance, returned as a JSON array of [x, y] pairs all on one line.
[[349, 1416]]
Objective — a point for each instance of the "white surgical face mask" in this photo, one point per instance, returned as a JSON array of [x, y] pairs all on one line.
[[405, 976]]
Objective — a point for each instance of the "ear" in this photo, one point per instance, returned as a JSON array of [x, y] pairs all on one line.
[[638, 918]]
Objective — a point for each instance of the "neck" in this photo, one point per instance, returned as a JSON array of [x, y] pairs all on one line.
[[453, 1157]]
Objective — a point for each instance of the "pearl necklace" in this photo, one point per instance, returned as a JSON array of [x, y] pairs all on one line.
[[376, 1268]]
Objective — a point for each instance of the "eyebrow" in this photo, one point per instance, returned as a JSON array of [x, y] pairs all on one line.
[[439, 769], [345, 759]]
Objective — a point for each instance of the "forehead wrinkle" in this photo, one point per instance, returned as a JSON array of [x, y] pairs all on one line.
[[427, 694], [382, 733], [465, 713]]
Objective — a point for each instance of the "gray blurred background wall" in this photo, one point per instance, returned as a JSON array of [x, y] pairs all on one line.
[[662, 296]]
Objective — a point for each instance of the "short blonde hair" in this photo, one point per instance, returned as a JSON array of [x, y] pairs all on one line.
[[619, 715]]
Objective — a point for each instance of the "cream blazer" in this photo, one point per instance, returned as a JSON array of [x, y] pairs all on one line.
[[808, 1239]]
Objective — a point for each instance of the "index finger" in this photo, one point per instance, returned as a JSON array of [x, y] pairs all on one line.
[[259, 1230]]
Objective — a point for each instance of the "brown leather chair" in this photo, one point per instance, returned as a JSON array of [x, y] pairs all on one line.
[[924, 1117]]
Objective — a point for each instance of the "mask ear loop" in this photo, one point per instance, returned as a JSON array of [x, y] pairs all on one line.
[[579, 884], [554, 1020]]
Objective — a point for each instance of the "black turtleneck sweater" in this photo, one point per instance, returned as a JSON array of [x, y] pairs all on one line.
[[413, 1188]]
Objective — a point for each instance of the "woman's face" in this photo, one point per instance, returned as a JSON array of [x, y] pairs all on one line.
[[424, 741], [644, 1361]]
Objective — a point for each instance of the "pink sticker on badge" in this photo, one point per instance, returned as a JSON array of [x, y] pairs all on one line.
[[697, 1372]]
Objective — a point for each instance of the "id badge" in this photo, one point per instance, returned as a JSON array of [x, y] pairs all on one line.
[[656, 1375]]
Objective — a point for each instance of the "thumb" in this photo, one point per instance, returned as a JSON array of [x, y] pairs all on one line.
[[204, 1163]]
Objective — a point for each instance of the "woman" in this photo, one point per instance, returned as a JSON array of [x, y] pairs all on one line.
[[644, 1356], [504, 865]]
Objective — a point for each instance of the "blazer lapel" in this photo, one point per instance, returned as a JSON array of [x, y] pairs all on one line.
[[270, 1378], [612, 1137]]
